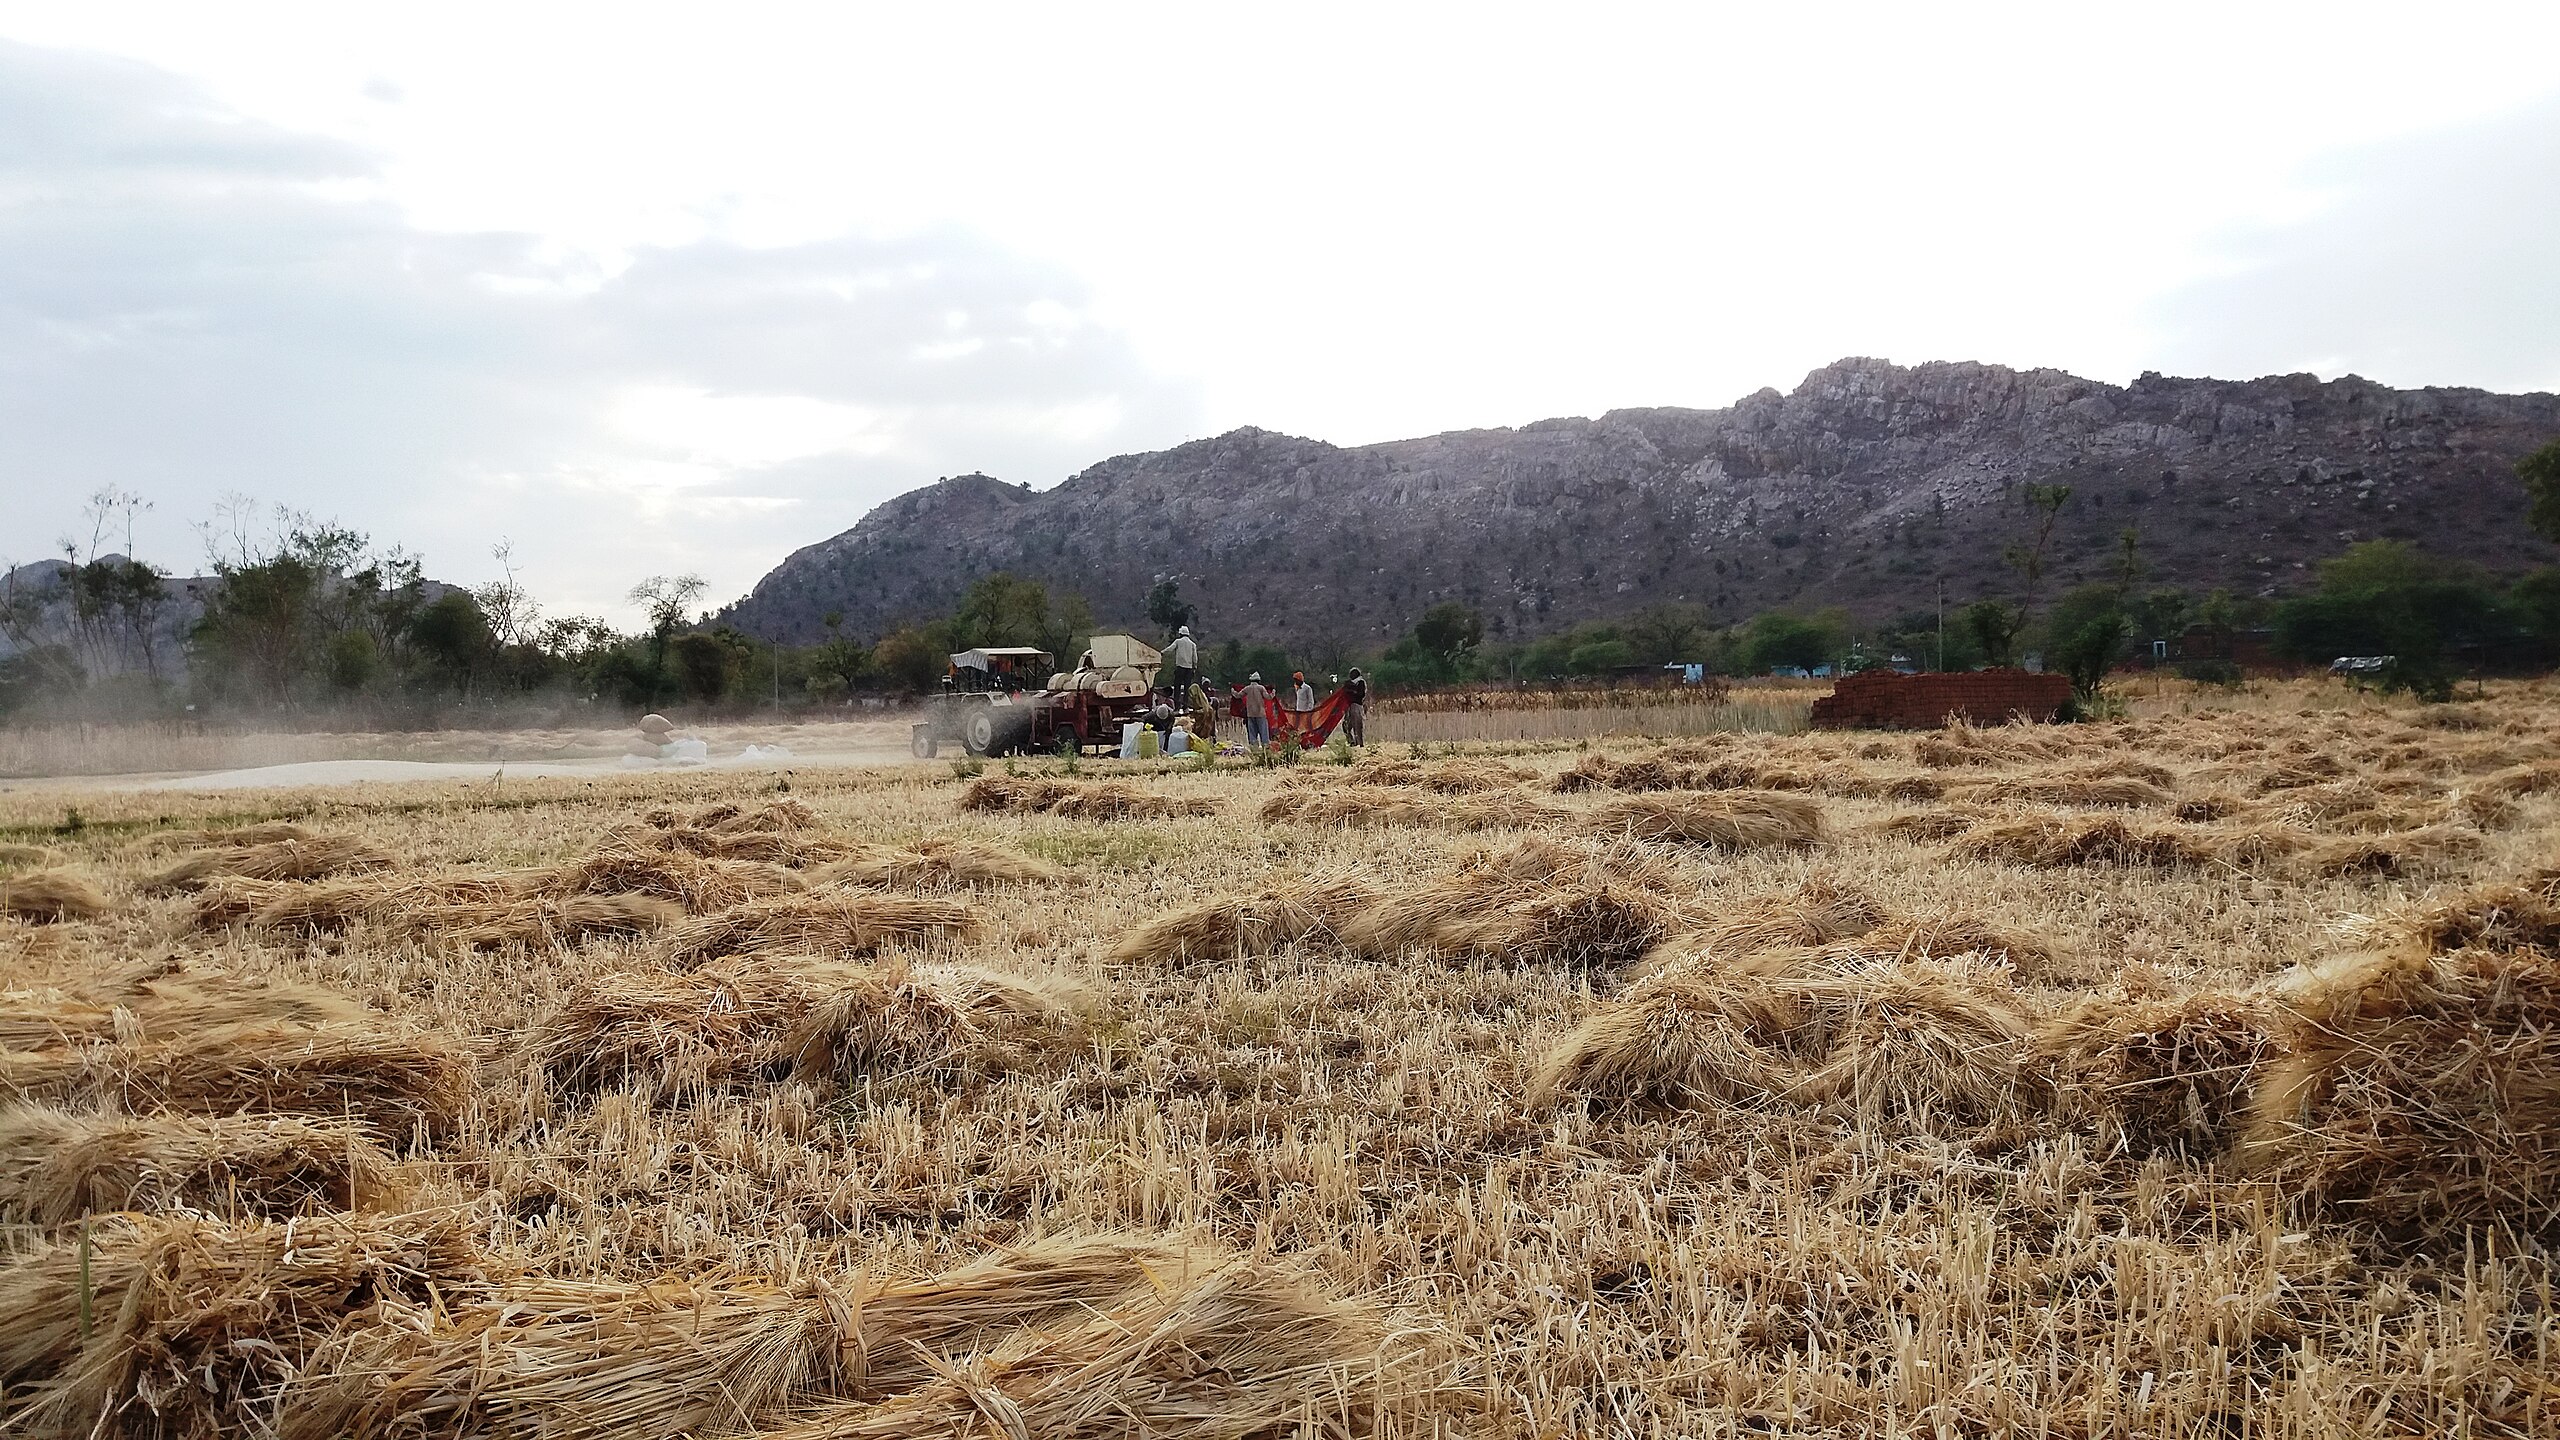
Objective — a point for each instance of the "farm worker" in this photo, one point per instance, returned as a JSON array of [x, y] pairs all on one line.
[[1355, 716], [1304, 697], [1204, 721], [1161, 717], [1257, 712], [1185, 656]]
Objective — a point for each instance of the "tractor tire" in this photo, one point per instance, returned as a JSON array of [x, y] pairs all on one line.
[[921, 741], [1012, 732], [978, 731]]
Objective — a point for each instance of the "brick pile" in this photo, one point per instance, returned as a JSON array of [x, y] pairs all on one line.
[[1890, 700]]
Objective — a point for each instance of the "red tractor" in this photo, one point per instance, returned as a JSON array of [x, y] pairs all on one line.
[[987, 709]]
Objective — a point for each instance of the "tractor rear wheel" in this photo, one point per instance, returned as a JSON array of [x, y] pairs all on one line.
[[921, 741], [978, 731], [1011, 733]]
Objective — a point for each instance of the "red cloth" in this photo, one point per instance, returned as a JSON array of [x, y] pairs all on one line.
[[1312, 727]]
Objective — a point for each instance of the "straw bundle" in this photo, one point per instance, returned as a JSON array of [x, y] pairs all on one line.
[[1247, 1350], [26, 857], [1818, 912], [2161, 1073], [310, 859], [1905, 788], [1108, 800], [2418, 1090], [1686, 1036], [2051, 842], [1922, 826], [699, 885], [200, 1328], [777, 816], [396, 1079], [1940, 1040], [2407, 853], [2205, 809], [1947, 932], [1364, 807], [2495, 917], [793, 849], [938, 864], [1738, 820], [2092, 790], [56, 1167], [48, 897], [843, 924], [1600, 772], [1293, 912], [569, 1360], [327, 906], [264, 832], [2299, 771], [889, 1019], [543, 922], [1447, 777], [158, 1003], [2536, 778], [1580, 919]]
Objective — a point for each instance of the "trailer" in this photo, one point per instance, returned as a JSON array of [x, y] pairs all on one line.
[[985, 710]]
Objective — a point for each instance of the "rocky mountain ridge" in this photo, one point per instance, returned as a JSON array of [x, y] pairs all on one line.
[[1869, 486]]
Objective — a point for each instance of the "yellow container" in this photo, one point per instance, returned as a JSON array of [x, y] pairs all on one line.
[[1149, 744]]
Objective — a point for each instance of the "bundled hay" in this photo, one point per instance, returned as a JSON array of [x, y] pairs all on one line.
[[938, 864], [1689, 1035], [156, 1326], [1246, 1350], [56, 1167], [1818, 912], [160, 1003], [1905, 788], [1500, 909], [1923, 826], [1447, 777], [2085, 789], [540, 922], [2206, 809], [328, 906], [309, 859], [14, 856], [1739, 820], [674, 1036], [793, 849], [1364, 807], [1293, 912], [2052, 842], [1600, 772], [48, 897], [1108, 800], [2161, 1073], [2515, 783], [2408, 853], [1947, 932], [2417, 1091], [2494, 917], [570, 1360], [845, 924], [1936, 1040], [396, 1079], [699, 885], [773, 817], [238, 837]]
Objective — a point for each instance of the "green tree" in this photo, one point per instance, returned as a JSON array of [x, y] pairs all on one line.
[[453, 637], [912, 659], [1779, 640], [2540, 472], [1166, 608], [706, 665], [2085, 636], [1993, 626], [1449, 632], [666, 600], [1599, 657], [2384, 597]]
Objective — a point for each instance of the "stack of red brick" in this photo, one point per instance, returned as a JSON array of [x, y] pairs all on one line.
[[1890, 700]]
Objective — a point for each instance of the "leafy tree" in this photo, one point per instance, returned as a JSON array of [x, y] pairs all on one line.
[[1449, 632], [1599, 657], [1993, 626], [453, 636], [1666, 633], [667, 600], [1166, 608], [2085, 636], [912, 659], [1779, 640], [2540, 472], [705, 665], [2384, 597]]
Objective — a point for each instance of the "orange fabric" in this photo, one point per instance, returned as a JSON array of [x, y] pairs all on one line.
[[1312, 727]]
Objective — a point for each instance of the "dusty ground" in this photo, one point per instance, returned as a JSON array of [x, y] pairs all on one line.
[[1962, 1241]]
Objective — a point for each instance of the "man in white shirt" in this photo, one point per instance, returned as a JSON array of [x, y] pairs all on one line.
[[1304, 697], [1185, 655]]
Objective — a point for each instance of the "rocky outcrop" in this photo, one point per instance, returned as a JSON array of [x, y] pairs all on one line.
[[1868, 486]]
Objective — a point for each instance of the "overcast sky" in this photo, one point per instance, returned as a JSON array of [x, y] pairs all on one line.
[[648, 290]]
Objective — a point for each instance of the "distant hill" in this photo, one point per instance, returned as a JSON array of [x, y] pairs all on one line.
[[1865, 487]]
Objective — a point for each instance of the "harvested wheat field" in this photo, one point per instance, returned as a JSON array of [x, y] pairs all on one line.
[[2195, 1074]]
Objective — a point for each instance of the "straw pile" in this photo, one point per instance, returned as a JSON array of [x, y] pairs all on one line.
[[1737, 820], [306, 859], [57, 1166], [326, 906], [537, 921], [1922, 826], [938, 864], [178, 1326], [1107, 800], [26, 857], [844, 924], [2418, 1090], [2536, 778], [1463, 776], [47, 897], [2407, 853], [160, 1002], [2088, 789], [264, 832], [2495, 917], [1938, 1042], [674, 1036], [1818, 912], [1063, 1330], [1293, 912], [2161, 1073], [699, 885], [2055, 841], [792, 849], [1363, 807], [397, 1079], [1536, 902], [1246, 1350]]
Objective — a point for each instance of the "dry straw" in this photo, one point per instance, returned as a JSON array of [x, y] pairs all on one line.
[[2418, 1091], [1106, 800], [264, 832], [14, 856], [48, 897], [56, 1166], [1292, 912], [842, 924], [1739, 820], [1367, 806], [309, 859], [563, 1360], [2161, 1072], [699, 885], [938, 864]]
